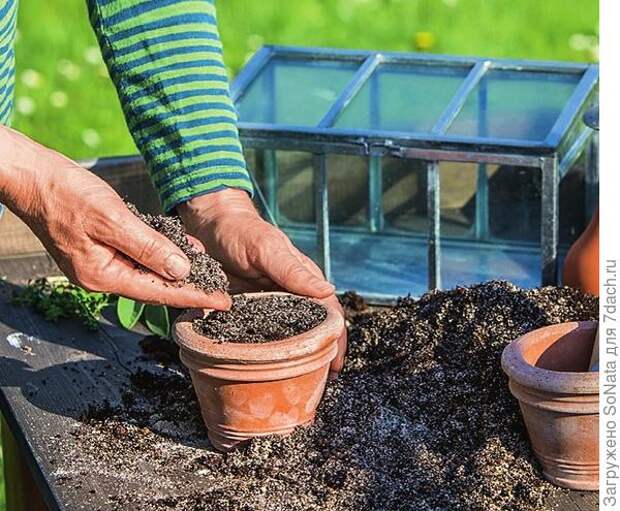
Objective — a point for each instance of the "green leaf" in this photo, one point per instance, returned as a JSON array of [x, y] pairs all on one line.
[[128, 312], [157, 320]]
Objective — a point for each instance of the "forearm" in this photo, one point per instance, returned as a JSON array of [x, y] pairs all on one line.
[[166, 62]]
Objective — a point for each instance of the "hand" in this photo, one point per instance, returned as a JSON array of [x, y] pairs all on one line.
[[86, 227], [256, 255]]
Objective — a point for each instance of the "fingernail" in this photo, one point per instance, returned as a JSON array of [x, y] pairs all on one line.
[[227, 301], [177, 267]]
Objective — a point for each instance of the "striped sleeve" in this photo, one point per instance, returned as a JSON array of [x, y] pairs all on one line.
[[165, 58], [8, 20]]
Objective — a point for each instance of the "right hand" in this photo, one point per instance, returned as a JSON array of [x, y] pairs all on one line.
[[86, 227]]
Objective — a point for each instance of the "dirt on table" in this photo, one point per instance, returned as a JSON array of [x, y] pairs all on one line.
[[206, 273], [421, 419], [262, 319]]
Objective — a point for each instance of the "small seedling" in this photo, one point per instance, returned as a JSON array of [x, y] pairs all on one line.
[[56, 297], [154, 317]]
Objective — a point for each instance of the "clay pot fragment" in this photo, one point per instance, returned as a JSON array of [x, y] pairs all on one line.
[[581, 267], [247, 390], [559, 400]]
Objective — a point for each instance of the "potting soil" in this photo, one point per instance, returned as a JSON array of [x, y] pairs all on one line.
[[421, 419], [264, 319], [205, 273]]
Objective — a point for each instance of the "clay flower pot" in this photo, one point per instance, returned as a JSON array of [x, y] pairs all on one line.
[[581, 264], [247, 390], [548, 371]]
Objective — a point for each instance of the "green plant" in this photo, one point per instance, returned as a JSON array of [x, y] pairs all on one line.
[[154, 317], [56, 297]]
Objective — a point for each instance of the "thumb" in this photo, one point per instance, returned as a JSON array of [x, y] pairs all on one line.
[[136, 240]]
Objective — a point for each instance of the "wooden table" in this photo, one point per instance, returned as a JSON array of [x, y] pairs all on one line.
[[51, 373]]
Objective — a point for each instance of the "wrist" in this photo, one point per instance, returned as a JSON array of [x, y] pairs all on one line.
[[21, 167], [211, 207]]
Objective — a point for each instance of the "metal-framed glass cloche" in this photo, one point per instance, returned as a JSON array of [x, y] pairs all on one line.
[[400, 172]]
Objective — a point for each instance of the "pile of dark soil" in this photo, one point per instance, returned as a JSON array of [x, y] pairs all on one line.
[[352, 304], [262, 319], [206, 273], [421, 419]]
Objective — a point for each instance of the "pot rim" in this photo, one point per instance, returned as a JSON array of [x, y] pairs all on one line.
[[298, 346], [521, 371]]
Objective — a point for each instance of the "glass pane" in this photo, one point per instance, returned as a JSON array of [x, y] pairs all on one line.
[[514, 104], [403, 98], [458, 182], [295, 92], [295, 188], [404, 195], [490, 222], [573, 219], [292, 200], [348, 189], [514, 203]]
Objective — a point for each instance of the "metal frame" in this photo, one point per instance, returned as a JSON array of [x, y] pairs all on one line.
[[432, 147]]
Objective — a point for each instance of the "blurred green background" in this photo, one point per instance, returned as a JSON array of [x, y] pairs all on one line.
[[64, 98]]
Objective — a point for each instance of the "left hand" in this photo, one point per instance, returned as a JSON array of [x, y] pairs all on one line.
[[256, 255]]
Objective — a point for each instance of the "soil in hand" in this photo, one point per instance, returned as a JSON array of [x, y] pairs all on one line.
[[420, 419], [262, 319], [206, 273]]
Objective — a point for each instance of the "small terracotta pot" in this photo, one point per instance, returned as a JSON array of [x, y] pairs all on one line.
[[581, 265], [247, 390], [548, 371]]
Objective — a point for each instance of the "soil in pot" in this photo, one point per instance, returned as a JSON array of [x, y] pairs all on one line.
[[206, 273], [262, 319], [421, 419], [259, 369]]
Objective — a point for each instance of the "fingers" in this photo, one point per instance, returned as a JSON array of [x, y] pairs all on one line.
[[126, 280], [196, 244], [130, 235], [283, 265], [338, 363], [311, 265]]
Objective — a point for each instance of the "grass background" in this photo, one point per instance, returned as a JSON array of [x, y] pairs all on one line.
[[64, 98]]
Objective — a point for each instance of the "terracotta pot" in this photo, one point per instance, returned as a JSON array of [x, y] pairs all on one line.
[[559, 400], [247, 390], [581, 264]]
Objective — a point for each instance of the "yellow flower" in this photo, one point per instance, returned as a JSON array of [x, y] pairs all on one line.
[[424, 40]]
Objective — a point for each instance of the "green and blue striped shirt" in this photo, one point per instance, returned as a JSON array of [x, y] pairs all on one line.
[[165, 59]]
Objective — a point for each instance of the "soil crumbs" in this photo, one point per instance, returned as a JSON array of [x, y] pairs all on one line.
[[205, 273], [421, 419], [262, 319]]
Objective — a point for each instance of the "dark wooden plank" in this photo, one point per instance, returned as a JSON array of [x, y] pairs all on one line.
[[51, 373]]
